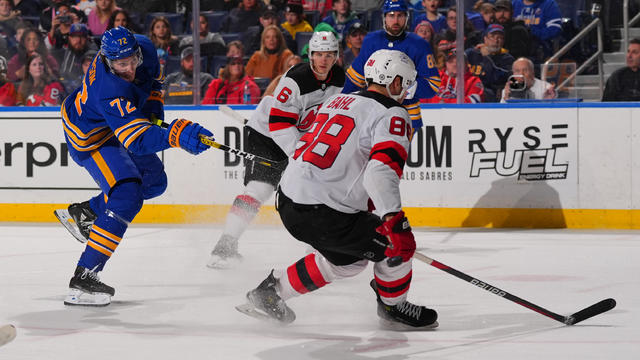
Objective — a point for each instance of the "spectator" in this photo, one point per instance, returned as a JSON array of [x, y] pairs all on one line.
[[30, 43], [162, 38], [86, 61], [267, 62], [341, 18], [424, 29], [295, 19], [28, 7], [543, 19], [431, 14], [178, 86], [523, 85], [253, 34], [473, 88], [14, 41], [8, 94], [58, 36], [48, 14], [232, 86], [487, 12], [624, 83], [288, 64], [471, 37], [321, 6], [210, 43], [9, 18], [354, 40], [121, 17], [517, 35], [99, 16], [38, 87], [235, 49], [70, 58], [491, 62], [246, 14]]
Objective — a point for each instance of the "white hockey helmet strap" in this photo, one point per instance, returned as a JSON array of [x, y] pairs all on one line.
[[383, 66]]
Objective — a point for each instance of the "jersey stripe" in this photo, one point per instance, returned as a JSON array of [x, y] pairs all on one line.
[[355, 78], [104, 168], [434, 82], [81, 141], [390, 153], [279, 119]]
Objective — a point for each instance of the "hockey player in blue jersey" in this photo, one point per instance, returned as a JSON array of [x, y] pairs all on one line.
[[108, 130], [395, 37]]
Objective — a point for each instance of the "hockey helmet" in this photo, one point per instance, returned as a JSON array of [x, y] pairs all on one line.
[[383, 66], [323, 41], [394, 5], [391, 6], [119, 43]]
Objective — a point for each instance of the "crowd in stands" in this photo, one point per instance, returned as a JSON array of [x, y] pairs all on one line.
[[46, 46]]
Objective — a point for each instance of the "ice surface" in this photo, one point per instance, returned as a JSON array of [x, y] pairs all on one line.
[[169, 305]]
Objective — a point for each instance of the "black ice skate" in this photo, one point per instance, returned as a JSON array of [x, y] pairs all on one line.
[[85, 288], [405, 316], [225, 254], [83, 218], [266, 304]]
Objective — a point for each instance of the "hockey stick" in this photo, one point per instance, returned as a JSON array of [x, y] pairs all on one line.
[[243, 154], [232, 114], [586, 313]]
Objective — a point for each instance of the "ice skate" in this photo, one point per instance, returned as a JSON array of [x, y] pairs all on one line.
[[265, 303], [405, 316], [86, 289], [225, 254], [83, 218]]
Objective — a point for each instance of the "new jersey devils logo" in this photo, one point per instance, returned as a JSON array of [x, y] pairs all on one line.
[[308, 118]]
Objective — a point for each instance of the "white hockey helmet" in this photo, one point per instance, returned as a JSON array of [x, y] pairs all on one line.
[[383, 66], [323, 41]]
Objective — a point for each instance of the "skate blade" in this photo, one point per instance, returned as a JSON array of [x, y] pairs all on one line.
[[80, 298], [7, 334], [398, 326], [250, 310], [67, 221]]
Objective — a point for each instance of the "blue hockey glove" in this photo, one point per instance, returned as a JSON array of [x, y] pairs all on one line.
[[186, 134]]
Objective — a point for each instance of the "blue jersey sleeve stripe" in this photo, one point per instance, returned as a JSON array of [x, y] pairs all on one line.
[[135, 135]]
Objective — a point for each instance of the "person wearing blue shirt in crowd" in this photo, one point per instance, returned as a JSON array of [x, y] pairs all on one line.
[[341, 18], [395, 37], [542, 17], [431, 14], [109, 126]]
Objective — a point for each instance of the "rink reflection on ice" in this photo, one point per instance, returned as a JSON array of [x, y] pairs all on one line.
[[169, 305]]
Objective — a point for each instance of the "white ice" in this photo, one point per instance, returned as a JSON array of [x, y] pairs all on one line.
[[169, 305]]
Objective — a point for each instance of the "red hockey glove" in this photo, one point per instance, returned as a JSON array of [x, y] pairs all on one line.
[[398, 231]]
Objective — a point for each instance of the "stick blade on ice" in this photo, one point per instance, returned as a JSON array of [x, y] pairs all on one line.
[[591, 311]]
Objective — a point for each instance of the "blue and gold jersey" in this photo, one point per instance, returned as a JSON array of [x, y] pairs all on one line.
[[107, 105], [417, 49]]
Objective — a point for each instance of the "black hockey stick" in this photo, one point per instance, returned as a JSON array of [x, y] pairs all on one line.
[[586, 313], [243, 154]]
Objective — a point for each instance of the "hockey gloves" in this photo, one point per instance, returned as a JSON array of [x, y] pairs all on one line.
[[403, 244], [186, 134]]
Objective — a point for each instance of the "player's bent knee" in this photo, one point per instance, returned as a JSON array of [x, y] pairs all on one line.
[[259, 190], [155, 188], [126, 199]]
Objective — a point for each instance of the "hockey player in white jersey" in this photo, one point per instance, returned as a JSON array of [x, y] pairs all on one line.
[[291, 111], [354, 151]]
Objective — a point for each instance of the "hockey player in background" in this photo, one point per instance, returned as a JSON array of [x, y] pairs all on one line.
[[291, 111], [107, 127], [354, 151], [394, 36]]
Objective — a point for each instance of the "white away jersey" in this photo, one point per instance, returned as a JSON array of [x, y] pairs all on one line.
[[355, 150], [297, 99], [259, 119]]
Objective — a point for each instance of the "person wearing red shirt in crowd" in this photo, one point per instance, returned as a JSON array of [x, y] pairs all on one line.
[[231, 86], [8, 94], [38, 88], [473, 88]]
